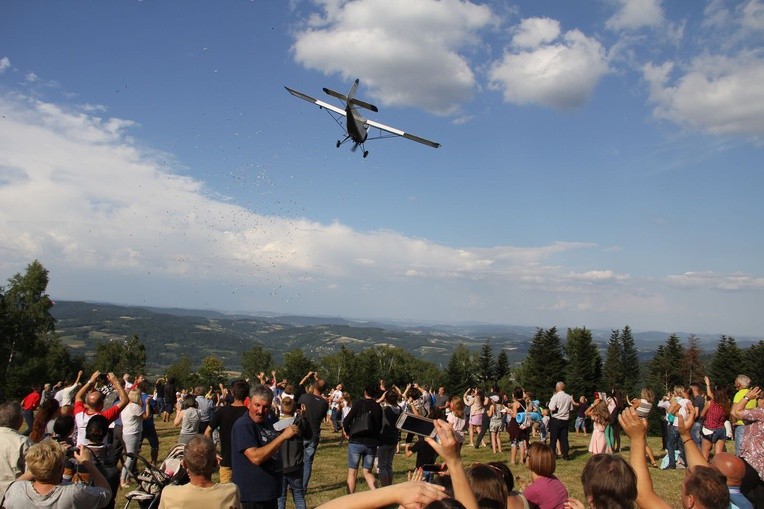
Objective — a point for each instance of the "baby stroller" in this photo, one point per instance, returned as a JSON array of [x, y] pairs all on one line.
[[152, 479]]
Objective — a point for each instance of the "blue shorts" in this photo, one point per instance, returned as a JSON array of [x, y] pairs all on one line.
[[356, 452], [715, 435]]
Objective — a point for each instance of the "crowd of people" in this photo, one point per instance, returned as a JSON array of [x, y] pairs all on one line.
[[80, 440]]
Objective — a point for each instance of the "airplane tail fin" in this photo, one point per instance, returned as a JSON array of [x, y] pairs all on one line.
[[351, 94], [350, 98]]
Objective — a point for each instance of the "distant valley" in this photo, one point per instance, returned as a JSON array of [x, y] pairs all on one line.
[[170, 332]]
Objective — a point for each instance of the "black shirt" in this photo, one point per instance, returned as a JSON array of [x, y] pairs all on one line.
[[425, 454], [316, 409], [223, 418], [370, 438]]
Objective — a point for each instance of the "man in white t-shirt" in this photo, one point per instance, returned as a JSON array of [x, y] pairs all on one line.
[[65, 396], [560, 406]]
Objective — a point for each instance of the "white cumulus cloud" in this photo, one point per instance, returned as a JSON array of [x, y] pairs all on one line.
[[715, 94], [549, 68], [77, 193], [407, 53], [5, 63], [636, 14]]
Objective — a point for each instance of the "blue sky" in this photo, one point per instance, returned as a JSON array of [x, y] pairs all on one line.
[[601, 162]]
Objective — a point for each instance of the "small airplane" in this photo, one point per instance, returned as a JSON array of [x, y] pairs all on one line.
[[356, 126]]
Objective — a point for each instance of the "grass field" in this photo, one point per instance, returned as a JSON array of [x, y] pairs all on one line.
[[330, 466]]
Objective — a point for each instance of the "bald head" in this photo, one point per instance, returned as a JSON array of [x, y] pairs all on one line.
[[560, 386], [94, 401], [730, 466]]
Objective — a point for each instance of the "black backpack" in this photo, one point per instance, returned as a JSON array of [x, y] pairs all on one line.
[[292, 451]]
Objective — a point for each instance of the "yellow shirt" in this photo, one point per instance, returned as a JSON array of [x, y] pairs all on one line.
[[750, 405]]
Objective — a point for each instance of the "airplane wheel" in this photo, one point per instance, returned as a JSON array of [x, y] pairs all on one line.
[[366, 152], [338, 143]]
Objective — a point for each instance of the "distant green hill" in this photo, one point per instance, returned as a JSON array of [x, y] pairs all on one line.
[[167, 333]]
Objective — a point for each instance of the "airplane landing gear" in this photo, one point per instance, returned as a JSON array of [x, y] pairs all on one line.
[[338, 143], [365, 153]]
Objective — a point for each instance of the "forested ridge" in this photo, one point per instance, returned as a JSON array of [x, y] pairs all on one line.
[[48, 341]]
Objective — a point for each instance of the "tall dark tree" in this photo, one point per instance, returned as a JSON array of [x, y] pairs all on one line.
[[133, 356], [257, 360], [338, 367], [726, 362], [25, 324], [460, 371], [211, 372], [584, 363], [693, 369], [107, 357], [486, 364], [60, 365], [545, 364], [120, 356], [629, 363], [753, 363], [664, 371], [612, 371], [183, 372], [502, 365], [297, 365]]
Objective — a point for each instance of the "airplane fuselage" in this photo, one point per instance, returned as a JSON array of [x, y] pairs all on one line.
[[356, 125]]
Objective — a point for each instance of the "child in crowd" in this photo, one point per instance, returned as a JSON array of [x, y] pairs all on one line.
[[643, 406], [291, 454], [496, 413], [457, 421], [544, 426], [600, 416], [581, 407], [345, 405], [545, 491]]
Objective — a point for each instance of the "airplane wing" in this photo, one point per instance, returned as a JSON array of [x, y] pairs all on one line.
[[320, 104], [406, 135], [370, 123]]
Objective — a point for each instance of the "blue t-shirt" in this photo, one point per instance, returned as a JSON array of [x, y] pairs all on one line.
[[257, 483], [148, 422]]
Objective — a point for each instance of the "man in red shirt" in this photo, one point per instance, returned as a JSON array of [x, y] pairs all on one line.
[[28, 405], [89, 402]]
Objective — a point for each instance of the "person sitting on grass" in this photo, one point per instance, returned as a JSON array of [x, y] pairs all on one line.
[[545, 491], [609, 482], [200, 460], [515, 499], [487, 483], [41, 486]]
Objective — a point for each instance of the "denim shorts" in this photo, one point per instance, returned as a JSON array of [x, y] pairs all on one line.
[[715, 435], [356, 452]]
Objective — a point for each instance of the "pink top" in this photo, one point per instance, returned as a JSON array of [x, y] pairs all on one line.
[[547, 493], [752, 449]]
